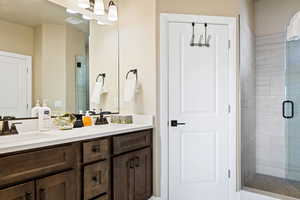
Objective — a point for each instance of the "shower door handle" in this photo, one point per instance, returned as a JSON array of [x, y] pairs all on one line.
[[284, 111]]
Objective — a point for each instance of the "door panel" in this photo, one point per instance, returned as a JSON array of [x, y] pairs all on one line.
[[143, 175], [57, 187], [198, 93], [123, 177]]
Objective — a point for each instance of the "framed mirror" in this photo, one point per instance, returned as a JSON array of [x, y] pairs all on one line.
[[62, 59]]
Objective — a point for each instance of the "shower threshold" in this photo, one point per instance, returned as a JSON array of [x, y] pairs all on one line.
[[274, 186]]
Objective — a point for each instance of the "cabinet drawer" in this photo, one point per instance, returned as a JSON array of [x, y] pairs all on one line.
[[105, 197], [22, 191], [96, 179], [95, 150], [29, 165], [130, 142]]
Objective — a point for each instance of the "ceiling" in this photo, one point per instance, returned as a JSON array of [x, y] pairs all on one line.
[[36, 12]]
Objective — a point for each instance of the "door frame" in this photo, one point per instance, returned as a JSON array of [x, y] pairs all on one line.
[[28, 61], [163, 98]]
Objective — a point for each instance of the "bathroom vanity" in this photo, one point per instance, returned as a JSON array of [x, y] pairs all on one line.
[[103, 164]]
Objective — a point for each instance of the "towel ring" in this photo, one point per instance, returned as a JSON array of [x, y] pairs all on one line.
[[134, 71], [103, 75]]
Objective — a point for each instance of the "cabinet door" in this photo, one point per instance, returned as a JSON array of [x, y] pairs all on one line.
[[57, 187], [123, 177], [132, 174], [19, 192], [143, 174], [96, 179]]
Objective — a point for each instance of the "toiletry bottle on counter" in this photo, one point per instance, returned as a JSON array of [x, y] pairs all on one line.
[[87, 119], [35, 110], [45, 122]]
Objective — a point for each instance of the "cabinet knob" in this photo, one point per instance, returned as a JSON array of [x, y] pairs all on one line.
[[96, 148], [137, 162], [131, 163], [28, 196]]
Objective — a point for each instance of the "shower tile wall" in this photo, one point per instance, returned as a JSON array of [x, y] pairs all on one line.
[[270, 93], [248, 106]]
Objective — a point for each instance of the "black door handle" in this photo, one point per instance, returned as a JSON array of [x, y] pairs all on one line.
[[292, 109], [174, 123]]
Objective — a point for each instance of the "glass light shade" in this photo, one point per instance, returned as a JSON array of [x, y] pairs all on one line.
[[112, 12], [99, 7], [84, 3]]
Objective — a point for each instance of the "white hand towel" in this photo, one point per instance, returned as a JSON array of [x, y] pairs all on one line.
[[97, 92], [130, 90]]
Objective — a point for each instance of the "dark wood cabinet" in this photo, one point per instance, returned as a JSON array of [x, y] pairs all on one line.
[[56, 187], [111, 168], [132, 175], [24, 166], [20, 192]]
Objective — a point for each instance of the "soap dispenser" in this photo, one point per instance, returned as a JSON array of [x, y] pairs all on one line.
[[45, 122], [35, 110], [87, 120]]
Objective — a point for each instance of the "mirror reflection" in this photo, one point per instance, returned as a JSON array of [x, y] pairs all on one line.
[[55, 58]]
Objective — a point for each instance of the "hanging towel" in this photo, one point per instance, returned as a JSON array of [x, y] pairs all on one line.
[[98, 91], [130, 89], [293, 29]]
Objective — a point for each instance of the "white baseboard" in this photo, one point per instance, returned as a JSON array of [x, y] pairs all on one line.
[[154, 198]]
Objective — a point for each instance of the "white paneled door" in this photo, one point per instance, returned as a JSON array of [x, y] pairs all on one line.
[[15, 85], [198, 97]]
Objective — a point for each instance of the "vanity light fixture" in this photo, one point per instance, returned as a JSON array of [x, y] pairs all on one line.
[[112, 12], [71, 11], [99, 7], [84, 3], [86, 17]]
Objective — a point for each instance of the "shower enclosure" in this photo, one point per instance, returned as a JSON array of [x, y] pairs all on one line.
[[271, 118]]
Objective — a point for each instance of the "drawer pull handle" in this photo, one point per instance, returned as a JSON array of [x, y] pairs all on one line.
[[28, 196], [42, 194], [137, 162], [97, 179], [131, 164], [96, 148]]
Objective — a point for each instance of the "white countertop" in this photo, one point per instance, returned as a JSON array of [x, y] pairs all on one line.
[[35, 139]]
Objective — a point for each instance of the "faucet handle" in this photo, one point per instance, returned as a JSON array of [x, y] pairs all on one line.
[[13, 128]]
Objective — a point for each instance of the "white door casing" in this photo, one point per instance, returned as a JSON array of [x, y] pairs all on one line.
[[198, 90], [15, 85]]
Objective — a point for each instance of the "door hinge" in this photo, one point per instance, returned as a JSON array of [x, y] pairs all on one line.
[[27, 70], [229, 109], [229, 44], [229, 173], [27, 106]]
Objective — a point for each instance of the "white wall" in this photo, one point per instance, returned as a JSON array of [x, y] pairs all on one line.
[[272, 16]]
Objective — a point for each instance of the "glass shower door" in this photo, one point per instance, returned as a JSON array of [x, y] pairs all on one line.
[[291, 110]]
